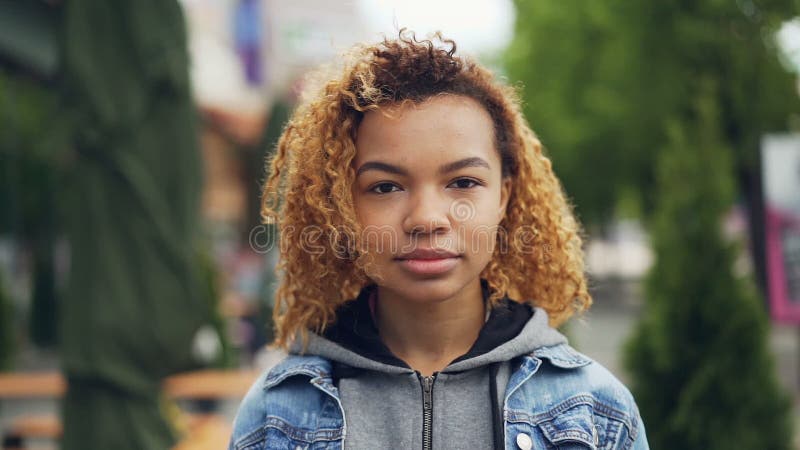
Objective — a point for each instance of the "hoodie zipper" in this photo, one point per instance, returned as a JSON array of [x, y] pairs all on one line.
[[427, 409]]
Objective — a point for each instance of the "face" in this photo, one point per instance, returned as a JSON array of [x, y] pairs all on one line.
[[429, 195]]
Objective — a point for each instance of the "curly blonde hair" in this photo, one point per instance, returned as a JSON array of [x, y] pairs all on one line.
[[308, 190]]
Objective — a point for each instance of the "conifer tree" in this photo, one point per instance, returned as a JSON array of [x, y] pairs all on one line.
[[702, 373]]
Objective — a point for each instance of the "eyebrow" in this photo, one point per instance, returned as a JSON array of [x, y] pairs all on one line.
[[447, 168]]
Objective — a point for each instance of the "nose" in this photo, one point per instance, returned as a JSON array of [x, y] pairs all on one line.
[[428, 214]]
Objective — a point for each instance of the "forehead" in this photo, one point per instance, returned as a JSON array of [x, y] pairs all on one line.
[[442, 127]]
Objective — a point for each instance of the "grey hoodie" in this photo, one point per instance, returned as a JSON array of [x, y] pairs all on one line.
[[383, 399]]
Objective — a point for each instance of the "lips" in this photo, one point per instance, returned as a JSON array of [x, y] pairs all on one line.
[[429, 261], [428, 254]]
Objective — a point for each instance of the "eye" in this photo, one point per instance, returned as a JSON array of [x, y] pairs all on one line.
[[465, 183], [383, 188]]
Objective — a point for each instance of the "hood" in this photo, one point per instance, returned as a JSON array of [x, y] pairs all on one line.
[[512, 329]]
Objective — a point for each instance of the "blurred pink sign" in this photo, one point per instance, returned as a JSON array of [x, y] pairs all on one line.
[[780, 157]]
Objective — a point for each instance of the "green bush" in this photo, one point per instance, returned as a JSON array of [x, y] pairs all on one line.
[[702, 373]]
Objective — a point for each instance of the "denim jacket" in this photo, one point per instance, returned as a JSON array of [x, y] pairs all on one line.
[[556, 398]]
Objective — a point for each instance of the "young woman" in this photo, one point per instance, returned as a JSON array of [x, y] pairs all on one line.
[[427, 252]]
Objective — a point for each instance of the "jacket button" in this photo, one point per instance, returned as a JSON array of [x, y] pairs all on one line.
[[524, 441]]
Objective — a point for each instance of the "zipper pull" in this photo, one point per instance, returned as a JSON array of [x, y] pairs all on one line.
[[427, 388]]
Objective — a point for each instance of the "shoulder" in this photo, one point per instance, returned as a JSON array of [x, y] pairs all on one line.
[[569, 388], [251, 414], [274, 398], [578, 371]]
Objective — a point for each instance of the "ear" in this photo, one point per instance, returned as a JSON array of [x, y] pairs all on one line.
[[505, 194]]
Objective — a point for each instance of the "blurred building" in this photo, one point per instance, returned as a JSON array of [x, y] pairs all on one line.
[[248, 57]]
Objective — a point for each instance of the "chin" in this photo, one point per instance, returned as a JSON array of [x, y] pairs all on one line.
[[425, 290]]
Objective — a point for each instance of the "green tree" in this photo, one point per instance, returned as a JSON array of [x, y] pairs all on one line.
[[6, 327], [660, 106], [599, 80], [702, 372], [574, 61], [28, 190]]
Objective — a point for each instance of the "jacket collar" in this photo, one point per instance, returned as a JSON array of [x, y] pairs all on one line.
[[561, 355], [313, 366]]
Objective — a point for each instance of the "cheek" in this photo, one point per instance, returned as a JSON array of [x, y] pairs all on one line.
[[382, 241], [479, 235], [379, 233], [365, 213]]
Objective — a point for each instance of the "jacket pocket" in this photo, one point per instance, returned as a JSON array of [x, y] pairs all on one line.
[[576, 428], [277, 434], [579, 422]]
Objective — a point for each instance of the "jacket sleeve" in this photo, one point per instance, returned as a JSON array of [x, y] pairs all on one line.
[[640, 438], [250, 416]]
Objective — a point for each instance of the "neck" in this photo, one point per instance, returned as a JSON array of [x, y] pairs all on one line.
[[429, 335]]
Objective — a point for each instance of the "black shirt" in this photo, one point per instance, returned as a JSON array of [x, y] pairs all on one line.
[[355, 330]]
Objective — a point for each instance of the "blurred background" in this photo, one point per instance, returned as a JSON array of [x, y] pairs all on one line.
[[136, 280]]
